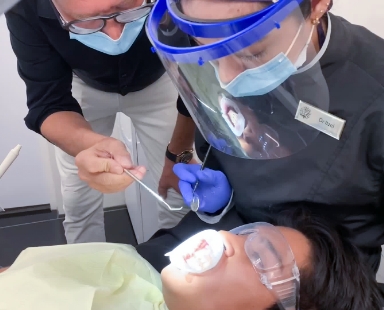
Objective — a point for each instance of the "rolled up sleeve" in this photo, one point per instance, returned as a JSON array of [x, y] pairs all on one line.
[[47, 76], [182, 108]]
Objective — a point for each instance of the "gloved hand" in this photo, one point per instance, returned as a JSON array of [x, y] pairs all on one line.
[[213, 190]]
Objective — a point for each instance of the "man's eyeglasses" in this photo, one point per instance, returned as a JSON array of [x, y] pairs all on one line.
[[97, 23]]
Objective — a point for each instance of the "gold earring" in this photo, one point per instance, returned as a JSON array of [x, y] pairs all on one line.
[[315, 21]]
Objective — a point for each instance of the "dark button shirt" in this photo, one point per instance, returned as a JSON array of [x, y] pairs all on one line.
[[340, 179], [47, 58]]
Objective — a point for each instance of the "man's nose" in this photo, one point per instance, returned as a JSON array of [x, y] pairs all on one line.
[[113, 29], [229, 68]]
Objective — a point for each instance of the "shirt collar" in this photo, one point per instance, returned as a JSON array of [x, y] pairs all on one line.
[[45, 9], [340, 43], [323, 49]]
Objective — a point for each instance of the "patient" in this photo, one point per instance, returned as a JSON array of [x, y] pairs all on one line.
[[226, 275]]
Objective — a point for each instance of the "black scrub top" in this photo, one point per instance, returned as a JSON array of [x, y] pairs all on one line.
[[342, 180]]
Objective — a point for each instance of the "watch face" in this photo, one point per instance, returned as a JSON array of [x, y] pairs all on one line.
[[185, 157]]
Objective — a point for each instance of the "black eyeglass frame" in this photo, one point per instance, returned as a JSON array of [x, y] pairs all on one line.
[[67, 25]]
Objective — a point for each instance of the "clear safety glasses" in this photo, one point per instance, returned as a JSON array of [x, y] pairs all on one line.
[[266, 248], [273, 260]]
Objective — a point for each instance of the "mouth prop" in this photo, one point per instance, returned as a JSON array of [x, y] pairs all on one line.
[[199, 253]]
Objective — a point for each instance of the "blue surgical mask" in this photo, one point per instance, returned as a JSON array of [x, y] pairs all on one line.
[[263, 79], [101, 42]]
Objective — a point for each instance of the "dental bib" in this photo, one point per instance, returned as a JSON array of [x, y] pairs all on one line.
[[89, 276], [199, 253]]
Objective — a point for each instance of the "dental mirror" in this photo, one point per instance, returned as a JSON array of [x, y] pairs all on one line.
[[195, 205]]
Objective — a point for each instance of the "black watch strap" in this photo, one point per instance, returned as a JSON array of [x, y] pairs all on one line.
[[172, 157], [184, 157]]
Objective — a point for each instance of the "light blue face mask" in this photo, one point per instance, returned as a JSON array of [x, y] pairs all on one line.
[[263, 79], [101, 42]]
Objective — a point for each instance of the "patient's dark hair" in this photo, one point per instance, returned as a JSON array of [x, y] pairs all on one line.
[[338, 278]]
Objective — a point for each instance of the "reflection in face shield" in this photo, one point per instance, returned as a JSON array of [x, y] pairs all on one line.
[[232, 115], [258, 140]]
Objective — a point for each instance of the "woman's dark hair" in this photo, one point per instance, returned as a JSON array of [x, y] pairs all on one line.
[[306, 8], [338, 278]]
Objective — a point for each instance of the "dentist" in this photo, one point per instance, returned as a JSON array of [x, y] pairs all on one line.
[[82, 62]]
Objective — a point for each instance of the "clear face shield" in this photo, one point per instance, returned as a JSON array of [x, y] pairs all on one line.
[[266, 248], [247, 72]]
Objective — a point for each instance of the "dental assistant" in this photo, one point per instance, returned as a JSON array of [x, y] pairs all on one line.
[[82, 62], [292, 100]]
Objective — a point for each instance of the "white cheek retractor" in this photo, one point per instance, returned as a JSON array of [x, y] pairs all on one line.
[[199, 253]]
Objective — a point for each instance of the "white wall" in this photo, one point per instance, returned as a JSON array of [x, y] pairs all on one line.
[[27, 181], [367, 13]]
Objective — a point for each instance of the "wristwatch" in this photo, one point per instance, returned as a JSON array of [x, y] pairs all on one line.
[[184, 157]]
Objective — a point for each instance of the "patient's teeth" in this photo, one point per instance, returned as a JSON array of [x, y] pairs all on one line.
[[199, 253], [201, 257]]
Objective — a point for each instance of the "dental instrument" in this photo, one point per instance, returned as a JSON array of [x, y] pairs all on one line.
[[195, 205], [157, 196]]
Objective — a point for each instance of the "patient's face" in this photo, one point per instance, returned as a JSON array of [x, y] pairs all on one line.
[[233, 283]]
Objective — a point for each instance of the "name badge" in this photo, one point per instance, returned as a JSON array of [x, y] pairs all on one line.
[[325, 122]]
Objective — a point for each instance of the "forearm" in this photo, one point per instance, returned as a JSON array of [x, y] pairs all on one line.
[[70, 132], [183, 135]]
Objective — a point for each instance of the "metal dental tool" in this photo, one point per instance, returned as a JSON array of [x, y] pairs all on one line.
[[157, 196], [153, 193], [195, 205]]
